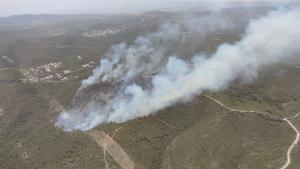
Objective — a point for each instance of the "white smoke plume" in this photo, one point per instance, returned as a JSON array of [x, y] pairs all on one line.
[[268, 40], [149, 53]]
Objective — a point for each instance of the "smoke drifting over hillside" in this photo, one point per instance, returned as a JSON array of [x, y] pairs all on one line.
[[268, 40]]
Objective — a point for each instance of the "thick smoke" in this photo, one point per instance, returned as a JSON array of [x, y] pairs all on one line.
[[150, 53], [268, 40]]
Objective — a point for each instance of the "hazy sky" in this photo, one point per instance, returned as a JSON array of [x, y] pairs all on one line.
[[13, 7]]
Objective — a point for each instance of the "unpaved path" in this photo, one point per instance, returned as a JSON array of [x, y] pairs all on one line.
[[104, 158], [113, 148], [295, 142], [165, 123], [263, 114], [292, 146]]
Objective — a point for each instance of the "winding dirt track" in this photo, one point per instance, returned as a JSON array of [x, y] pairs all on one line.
[[292, 146], [295, 142], [264, 114], [113, 148]]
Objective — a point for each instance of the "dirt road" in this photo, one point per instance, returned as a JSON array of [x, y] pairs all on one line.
[[287, 120], [113, 149]]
